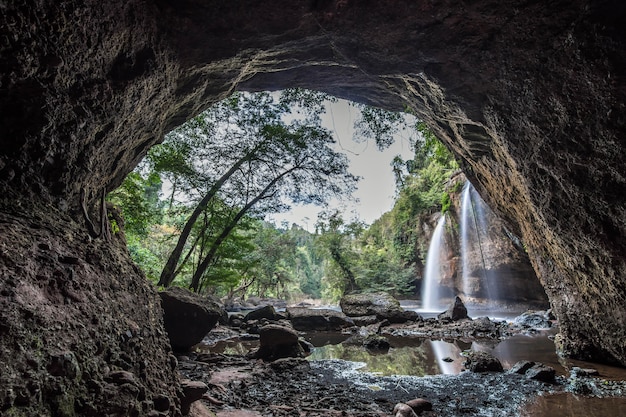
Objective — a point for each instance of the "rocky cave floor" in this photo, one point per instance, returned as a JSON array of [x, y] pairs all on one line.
[[239, 386]]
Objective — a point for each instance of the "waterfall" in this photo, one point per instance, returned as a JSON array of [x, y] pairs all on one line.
[[432, 273], [474, 233], [465, 226]]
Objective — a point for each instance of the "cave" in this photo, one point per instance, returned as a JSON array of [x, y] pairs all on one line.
[[529, 96]]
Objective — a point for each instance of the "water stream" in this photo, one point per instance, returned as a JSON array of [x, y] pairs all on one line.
[[430, 287]]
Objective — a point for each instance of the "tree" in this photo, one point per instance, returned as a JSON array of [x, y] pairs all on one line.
[[259, 162], [336, 238]]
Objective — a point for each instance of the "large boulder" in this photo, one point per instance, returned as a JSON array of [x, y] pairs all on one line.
[[277, 342], [307, 319], [188, 317], [479, 361], [379, 304], [266, 312]]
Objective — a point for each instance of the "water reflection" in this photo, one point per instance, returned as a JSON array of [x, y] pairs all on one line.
[[448, 357], [416, 360], [420, 357]]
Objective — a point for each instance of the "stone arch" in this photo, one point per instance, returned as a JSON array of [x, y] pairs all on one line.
[[529, 96]]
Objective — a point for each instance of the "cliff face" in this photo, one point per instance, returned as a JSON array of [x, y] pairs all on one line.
[[529, 96]]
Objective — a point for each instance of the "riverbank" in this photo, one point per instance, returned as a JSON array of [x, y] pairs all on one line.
[[239, 386]]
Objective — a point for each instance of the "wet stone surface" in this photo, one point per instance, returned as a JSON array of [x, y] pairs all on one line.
[[293, 387]]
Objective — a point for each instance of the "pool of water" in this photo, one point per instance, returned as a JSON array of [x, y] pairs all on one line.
[[421, 357]]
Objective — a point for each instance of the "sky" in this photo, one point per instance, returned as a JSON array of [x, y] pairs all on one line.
[[376, 189]]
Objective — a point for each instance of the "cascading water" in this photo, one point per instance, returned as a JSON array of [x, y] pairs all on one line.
[[474, 231], [430, 285], [465, 226]]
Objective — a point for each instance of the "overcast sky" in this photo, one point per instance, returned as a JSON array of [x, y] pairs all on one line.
[[376, 189]]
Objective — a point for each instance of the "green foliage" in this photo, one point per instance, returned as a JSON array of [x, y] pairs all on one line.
[[254, 154], [138, 198], [445, 202]]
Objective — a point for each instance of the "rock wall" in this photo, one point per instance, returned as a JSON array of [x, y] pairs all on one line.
[[528, 95], [81, 330]]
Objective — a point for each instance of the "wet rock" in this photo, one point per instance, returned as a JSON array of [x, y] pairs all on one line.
[[380, 304], [306, 319], [484, 325], [533, 319], [364, 320], [192, 391], [266, 312], [403, 410], [402, 316], [482, 362], [521, 367], [541, 372], [290, 365], [534, 370], [419, 404], [583, 372], [188, 317], [455, 312], [235, 320], [277, 342]]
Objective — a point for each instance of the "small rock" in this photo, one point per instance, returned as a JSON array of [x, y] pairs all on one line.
[[419, 404], [403, 410], [455, 312], [521, 367], [541, 372], [192, 391], [482, 362], [290, 364], [577, 372], [533, 319]]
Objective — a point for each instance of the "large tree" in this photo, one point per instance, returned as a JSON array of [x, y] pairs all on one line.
[[257, 153]]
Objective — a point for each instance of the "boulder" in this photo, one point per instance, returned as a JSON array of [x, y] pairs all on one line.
[[266, 312], [533, 319], [380, 304], [455, 312], [277, 342], [307, 319], [482, 362], [188, 317]]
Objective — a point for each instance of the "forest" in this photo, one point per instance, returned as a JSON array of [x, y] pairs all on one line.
[[194, 210]]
